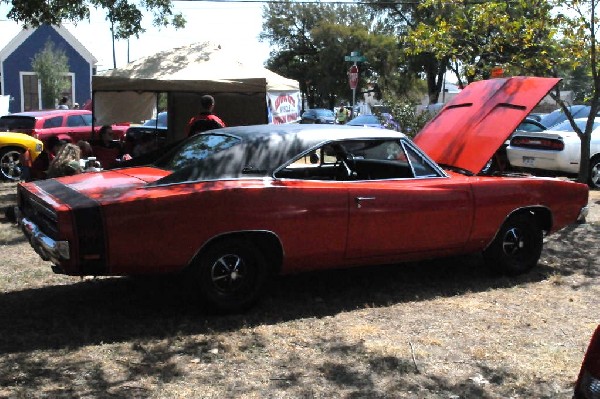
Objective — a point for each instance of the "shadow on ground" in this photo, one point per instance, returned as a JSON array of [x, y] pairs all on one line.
[[120, 309]]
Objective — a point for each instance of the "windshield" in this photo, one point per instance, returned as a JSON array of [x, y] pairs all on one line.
[[195, 149], [162, 121], [558, 116], [16, 123], [324, 112], [566, 126]]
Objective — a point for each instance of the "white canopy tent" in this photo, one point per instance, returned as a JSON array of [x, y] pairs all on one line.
[[243, 94]]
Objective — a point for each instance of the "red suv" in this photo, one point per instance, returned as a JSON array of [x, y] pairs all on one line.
[[70, 125]]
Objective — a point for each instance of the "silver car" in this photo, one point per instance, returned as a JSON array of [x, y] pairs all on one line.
[[557, 149]]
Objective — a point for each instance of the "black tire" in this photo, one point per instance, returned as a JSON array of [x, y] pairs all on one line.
[[230, 275], [10, 163], [594, 178], [517, 246]]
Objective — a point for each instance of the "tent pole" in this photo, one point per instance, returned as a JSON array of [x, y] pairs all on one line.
[[93, 116]]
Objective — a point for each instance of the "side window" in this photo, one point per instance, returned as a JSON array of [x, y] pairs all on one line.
[[351, 160], [75, 120], [420, 166], [87, 119], [53, 122]]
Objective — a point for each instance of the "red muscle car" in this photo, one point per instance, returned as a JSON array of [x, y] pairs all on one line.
[[233, 206], [587, 385]]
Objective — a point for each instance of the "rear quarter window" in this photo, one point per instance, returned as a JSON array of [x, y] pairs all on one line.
[[53, 122]]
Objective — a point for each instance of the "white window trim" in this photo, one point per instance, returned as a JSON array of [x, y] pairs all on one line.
[[22, 92], [21, 74]]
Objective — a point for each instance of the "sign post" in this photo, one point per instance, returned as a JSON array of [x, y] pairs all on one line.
[[353, 74]]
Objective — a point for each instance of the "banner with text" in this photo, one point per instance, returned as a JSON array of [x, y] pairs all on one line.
[[283, 107]]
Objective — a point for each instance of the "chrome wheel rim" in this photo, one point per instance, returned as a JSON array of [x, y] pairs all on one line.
[[228, 273], [595, 175], [513, 242], [10, 166]]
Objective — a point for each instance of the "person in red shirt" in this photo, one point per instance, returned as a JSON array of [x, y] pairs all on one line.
[[205, 120]]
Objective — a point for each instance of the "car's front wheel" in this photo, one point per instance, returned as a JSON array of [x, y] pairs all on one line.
[[231, 275], [517, 246], [10, 164], [594, 179]]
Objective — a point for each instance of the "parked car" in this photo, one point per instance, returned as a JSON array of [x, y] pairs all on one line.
[[557, 149], [537, 116], [148, 137], [243, 203], [499, 162], [558, 116], [68, 125], [530, 125], [12, 146], [588, 381], [384, 121], [318, 115]]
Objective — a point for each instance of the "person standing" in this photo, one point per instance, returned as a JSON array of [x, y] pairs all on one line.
[[205, 120], [63, 103], [342, 115]]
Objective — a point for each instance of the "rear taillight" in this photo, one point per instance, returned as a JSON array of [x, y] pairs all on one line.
[[588, 383], [536, 142]]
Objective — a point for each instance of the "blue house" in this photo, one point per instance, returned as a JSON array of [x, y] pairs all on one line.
[[18, 80]]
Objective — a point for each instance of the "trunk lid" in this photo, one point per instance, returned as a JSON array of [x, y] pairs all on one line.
[[111, 185]]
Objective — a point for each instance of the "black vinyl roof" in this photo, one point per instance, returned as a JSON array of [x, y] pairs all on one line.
[[264, 148]]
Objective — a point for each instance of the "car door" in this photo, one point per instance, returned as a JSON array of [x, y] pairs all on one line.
[[402, 216], [50, 126], [311, 219], [310, 208], [78, 127]]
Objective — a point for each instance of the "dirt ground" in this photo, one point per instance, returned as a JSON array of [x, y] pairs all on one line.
[[443, 329]]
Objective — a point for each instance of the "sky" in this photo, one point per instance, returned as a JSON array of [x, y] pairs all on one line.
[[235, 26]]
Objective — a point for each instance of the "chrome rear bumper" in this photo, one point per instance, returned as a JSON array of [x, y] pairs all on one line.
[[46, 247], [582, 214]]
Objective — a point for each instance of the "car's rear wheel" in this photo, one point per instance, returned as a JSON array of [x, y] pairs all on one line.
[[594, 179], [517, 246], [231, 275], [10, 164]]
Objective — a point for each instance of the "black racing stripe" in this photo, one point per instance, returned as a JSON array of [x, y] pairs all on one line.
[[89, 225]]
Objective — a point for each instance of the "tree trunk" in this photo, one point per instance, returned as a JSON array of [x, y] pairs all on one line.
[[584, 163]]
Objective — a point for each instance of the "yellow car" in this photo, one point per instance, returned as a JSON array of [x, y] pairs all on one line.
[[12, 145]]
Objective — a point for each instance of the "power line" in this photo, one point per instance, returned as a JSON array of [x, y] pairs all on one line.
[[345, 2]]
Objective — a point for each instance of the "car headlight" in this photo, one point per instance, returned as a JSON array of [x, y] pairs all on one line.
[[39, 147]]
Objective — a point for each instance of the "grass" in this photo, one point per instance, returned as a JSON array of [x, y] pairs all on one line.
[[443, 329]]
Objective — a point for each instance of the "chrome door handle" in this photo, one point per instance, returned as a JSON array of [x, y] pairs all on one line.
[[359, 200]]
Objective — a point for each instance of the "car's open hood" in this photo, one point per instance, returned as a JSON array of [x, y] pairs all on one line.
[[471, 128]]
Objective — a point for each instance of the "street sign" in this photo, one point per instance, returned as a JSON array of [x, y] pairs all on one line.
[[353, 76], [355, 58]]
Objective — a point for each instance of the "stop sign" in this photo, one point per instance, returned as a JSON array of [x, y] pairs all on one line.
[[353, 76]]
